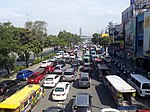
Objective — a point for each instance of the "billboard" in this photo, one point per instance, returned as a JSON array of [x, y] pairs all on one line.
[[146, 45], [127, 14]]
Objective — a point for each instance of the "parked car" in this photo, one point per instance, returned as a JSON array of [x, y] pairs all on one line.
[[54, 109], [24, 74], [51, 80], [6, 84], [12, 90], [53, 58], [107, 59], [49, 69], [84, 80], [69, 74], [45, 63], [36, 78], [61, 91], [82, 103]]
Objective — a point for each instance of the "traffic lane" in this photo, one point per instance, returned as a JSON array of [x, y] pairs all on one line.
[[100, 97]]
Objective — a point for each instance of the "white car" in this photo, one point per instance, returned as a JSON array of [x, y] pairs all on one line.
[[66, 55], [45, 63], [53, 58], [51, 80], [61, 91], [59, 55], [72, 56]]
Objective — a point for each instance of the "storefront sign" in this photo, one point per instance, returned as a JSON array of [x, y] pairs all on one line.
[[127, 14]]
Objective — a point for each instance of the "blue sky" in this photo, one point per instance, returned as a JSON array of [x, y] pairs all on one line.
[[70, 15]]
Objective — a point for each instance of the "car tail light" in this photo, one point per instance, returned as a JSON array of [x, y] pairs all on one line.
[[63, 94], [52, 82], [53, 94], [72, 76]]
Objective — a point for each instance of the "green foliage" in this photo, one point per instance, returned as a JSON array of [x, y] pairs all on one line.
[[95, 38], [18, 68], [37, 60]]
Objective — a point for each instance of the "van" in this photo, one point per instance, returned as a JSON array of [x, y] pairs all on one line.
[[140, 83], [69, 74]]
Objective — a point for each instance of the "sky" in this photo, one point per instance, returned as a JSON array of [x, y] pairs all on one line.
[[90, 15]]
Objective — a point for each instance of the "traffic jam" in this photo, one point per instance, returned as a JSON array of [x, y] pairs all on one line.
[[77, 65]]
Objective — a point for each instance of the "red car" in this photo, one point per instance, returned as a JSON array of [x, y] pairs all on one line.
[[49, 69], [36, 78]]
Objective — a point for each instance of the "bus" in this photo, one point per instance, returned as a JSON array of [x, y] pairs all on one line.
[[24, 100], [122, 93]]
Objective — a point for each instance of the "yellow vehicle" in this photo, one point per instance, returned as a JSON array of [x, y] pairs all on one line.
[[24, 100]]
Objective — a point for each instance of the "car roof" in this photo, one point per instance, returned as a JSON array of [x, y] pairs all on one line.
[[51, 75], [61, 84], [140, 78], [86, 63], [82, 99], [84, 74], [23, 71], [69, 70]]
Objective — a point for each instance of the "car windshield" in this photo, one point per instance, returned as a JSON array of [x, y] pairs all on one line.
[[84, 79], [146, 86], [67, 73], [81, 109], [33, 76], [43, 62], [57, 67], [49, 79], [59, 89]]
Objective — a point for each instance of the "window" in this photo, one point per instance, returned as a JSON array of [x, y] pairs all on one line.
[[25, 103], [59, 89], [146, 86], [141, 27]]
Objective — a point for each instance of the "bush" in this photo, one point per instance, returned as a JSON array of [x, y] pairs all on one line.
[[37, 60], [18, 68]]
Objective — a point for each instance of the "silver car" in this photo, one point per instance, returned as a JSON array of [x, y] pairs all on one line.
[[84, 80], [69, 74]]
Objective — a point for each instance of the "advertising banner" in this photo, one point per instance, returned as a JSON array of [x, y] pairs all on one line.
[[127, 14]]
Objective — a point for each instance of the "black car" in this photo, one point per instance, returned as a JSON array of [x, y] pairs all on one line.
[[12, 90], [6, 84], [75, 66], [82, 103], [54, 109]]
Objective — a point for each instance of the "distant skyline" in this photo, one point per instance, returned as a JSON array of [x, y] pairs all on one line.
[[70, 15]]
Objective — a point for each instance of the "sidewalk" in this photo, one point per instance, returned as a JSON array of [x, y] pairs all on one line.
[[13, 76]]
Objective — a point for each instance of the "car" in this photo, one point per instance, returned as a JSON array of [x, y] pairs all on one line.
[[60, 67], [45, 63], [72, 56], [49, 69], [58, 71], [59, 55], [24, 74], [69, 74], [61, 62], [84, 80], [82, 102], [53, 58], [66, 55], [36, 78], [75, 66], [54, 109], [6, 84], [61, 91], [12, 90], [51, 80], [107, 59]]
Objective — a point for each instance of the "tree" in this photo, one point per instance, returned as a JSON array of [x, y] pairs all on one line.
[[95, 38], [8, 45]]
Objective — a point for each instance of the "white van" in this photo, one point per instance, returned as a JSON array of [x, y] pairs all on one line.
[[141, 84]]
